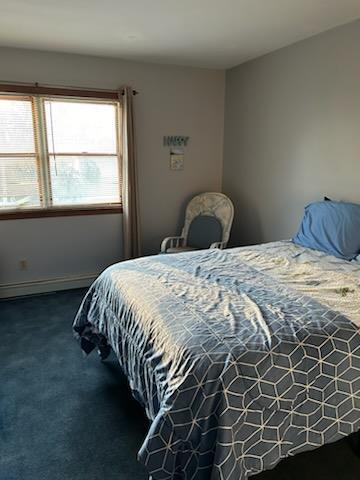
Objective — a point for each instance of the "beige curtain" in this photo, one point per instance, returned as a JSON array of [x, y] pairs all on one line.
[[130, 196]]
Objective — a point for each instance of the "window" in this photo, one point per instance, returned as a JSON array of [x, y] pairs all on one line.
[[58, 153], [19, 173]]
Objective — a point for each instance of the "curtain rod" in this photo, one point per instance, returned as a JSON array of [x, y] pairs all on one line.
[[35, 88]]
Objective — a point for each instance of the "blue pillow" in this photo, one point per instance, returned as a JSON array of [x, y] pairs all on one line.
[[331, 227]]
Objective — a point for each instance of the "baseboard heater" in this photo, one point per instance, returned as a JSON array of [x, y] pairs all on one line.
[[32, 287]]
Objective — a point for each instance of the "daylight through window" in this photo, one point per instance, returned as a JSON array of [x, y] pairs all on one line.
[[58, 152]]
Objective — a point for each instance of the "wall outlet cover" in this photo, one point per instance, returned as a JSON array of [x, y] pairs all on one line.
[[23, 264]]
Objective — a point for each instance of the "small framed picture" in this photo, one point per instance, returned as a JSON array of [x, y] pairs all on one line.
[[176, 159]]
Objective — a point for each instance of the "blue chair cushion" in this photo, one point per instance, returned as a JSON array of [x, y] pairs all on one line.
[[203, 231], [331, 227]]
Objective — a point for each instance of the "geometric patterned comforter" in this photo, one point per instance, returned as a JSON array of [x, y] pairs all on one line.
[[241, 357]]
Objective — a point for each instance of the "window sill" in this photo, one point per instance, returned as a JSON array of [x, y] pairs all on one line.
[[60, 212]]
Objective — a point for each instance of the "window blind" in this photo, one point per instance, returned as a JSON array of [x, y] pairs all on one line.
[[82, 152], [58, 152], [19, 168]]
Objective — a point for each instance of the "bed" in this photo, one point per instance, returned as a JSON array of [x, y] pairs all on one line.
[[240, 357]]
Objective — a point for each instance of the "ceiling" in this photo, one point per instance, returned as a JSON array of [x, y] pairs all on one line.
[[204, 33]]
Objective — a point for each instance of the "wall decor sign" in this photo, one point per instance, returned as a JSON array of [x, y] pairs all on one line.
[[175, 140], [176, 158]]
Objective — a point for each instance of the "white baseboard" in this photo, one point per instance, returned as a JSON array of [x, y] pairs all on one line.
[[48, 285]]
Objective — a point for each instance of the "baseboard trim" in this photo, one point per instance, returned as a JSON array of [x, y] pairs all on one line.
[[47, 285]]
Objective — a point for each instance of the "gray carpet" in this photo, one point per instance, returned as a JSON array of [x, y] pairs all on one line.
[[65, 417]]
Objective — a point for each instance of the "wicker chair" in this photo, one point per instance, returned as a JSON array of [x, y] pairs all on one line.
[[208, 221]]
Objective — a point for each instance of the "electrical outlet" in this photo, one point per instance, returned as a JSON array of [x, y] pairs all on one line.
[[23, 264]]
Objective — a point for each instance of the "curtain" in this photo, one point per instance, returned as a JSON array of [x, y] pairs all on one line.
[[130, 195]]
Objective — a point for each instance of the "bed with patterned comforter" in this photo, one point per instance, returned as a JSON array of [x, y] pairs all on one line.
[[240, 357]]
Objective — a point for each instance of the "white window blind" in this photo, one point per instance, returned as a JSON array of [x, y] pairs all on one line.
[[58, 152], [83, 153], [19, 172]]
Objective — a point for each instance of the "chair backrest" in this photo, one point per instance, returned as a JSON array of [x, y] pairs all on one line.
[[208, 219]]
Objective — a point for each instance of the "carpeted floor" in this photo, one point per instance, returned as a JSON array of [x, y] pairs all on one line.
[[65, 417]]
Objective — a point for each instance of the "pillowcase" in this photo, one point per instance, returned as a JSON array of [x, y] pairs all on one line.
[[331, 227]]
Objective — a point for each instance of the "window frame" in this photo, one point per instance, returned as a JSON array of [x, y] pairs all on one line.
[[42, 156]]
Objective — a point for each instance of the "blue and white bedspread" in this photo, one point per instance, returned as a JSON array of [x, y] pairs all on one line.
[[240, 357]]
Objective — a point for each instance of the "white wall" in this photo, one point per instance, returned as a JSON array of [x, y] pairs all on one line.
[[61, 247], [172, 100], [292, 133]]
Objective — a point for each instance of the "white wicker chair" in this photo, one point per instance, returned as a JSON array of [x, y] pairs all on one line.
[[208, 213]]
